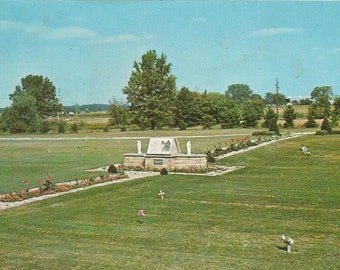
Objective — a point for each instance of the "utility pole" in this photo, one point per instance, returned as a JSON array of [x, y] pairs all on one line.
[[277, 96]]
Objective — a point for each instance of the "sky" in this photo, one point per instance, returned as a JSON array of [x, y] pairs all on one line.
[[87, 48]]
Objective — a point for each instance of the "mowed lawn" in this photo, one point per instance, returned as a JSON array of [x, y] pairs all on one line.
[[233, 221]]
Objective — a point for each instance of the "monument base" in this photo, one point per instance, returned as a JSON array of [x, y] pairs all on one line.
[[173, 162], [134, 160]]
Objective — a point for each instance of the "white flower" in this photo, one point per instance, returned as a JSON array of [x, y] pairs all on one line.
[[287, 240]]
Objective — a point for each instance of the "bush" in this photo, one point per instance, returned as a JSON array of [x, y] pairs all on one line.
[[74, 128], [112, 169], [44, 127], [164, 171], [17, 127], [182, 125], [321, 132], [62, 126], [210, 157], [264, 133]]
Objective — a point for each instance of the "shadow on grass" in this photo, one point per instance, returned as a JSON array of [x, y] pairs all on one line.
[[282, 248], [285, 249]]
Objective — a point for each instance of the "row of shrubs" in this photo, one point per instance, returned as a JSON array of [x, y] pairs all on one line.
[[325, 132], [242, 143]]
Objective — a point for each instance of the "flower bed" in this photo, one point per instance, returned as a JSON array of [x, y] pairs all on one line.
[[49, 188], [241, 144]]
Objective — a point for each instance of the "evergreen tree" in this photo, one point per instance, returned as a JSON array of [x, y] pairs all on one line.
[[326, 125], [289, 115], [311, 123], [252, 111], [270, 120]]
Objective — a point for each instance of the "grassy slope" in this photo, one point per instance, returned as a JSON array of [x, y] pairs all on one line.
[[232, 221]]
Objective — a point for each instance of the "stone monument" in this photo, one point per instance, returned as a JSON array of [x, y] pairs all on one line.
[[164, 152]]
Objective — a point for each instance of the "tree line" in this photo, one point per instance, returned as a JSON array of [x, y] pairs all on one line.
[[154, 102]]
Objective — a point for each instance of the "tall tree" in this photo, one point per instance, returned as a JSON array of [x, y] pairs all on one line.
[[224, 110], [188, 109], [21, 116], [42, 90], [151, 91], [32, 101], [322, 99], [240, 93], [273, 98]]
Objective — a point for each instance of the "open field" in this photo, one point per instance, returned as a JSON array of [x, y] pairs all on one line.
[[233, 221]]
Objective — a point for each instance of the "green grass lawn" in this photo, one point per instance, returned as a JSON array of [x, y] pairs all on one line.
[[63, 157], [233, 221]]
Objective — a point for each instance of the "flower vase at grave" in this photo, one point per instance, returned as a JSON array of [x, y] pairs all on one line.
[[288, 248], [287, 240]]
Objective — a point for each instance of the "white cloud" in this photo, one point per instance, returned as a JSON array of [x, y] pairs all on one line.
[[124, 38], [71, 32], [42, 31], [117, 38], [275, 31]]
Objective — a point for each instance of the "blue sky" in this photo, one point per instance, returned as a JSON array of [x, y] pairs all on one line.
[[87, 48]]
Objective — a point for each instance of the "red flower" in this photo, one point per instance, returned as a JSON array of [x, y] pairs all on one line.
[[49, 177], [91, 173], [40, 182], [26, 182], [232, 139]]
